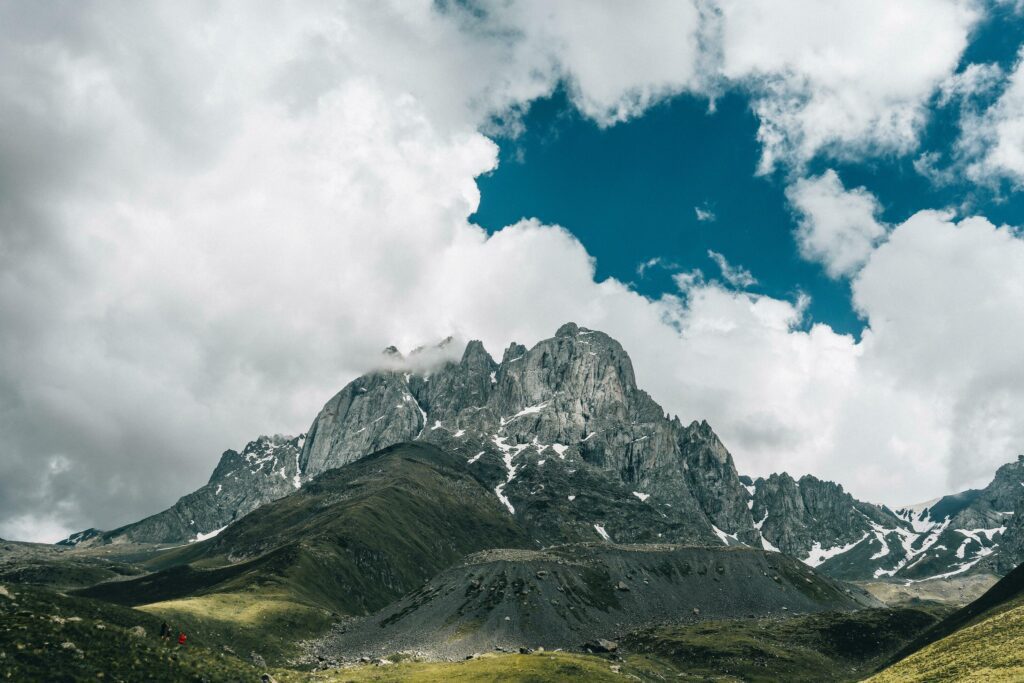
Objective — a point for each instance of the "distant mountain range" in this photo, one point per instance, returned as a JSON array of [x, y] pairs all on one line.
[[574, 451]]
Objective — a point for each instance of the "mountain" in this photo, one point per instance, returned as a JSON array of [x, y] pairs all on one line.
[[985, 636], [560, 433], [573, 449], [570, 402], [451, 506], [810, 518], [972, 531]]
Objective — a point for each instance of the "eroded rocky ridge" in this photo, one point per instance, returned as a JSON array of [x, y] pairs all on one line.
[[265, 470]]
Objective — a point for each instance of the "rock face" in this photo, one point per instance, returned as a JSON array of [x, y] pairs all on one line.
[[265, 470], [796, 515], [571, 404]]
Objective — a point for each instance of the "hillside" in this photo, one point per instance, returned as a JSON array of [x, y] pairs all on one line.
[[350, 541], [566, 596], [982, 641], [49, 636]]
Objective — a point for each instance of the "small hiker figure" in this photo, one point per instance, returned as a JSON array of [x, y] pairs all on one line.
[[181, 639], [165, 631]]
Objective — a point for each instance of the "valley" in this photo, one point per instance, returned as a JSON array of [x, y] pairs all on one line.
[[537, 518]]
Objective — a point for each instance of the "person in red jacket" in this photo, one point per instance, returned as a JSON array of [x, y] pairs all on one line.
[[181, 638]]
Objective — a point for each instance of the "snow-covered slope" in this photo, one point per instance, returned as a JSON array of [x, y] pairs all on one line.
[[975, 530]]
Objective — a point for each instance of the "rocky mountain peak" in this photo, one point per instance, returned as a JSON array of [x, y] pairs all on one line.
[[568, 330], [513, 352], [476, 355], [573, 395]]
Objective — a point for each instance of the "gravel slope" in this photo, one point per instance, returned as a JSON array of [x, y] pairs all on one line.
[[566, 596]]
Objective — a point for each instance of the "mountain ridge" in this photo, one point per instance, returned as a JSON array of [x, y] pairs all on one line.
[[563, 437]]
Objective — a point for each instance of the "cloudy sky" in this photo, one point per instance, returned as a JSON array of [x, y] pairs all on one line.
[[800, 218]]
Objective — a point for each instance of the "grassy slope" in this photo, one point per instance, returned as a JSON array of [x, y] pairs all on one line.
[[508, 668], [267, 625], [833, 646], [990, 650], [823, 647], [352, 540], [982, 641], [36, 623], [819, 647], [349, 542]]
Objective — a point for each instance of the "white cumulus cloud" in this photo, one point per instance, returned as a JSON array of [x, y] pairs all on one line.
[[839, 77], [838, 228], [212, 217], [993, 140]]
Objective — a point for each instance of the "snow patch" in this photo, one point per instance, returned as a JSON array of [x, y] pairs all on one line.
[[884, 550], [508, 455], [907, 541], [918, 516], [475, 457], [758, 525], [602, 533], [211, 534], [641, 496], [528, 410], [724, 537], [975, 535], [818, 555]]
